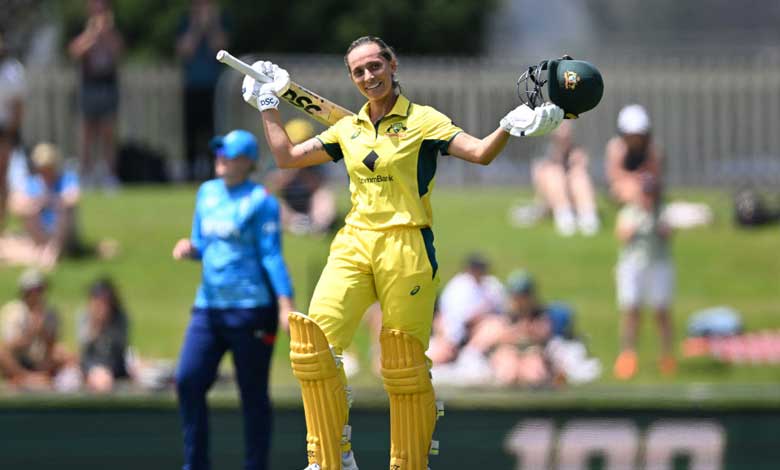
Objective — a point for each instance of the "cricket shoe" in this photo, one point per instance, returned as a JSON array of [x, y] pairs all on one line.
[[348, 461]]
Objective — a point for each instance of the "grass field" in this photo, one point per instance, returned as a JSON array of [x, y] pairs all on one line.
[[718, 265]]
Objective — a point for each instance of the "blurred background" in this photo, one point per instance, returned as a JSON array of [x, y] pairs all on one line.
[[130, 125]]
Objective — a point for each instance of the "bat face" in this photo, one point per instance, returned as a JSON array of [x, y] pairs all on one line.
[[319, 108], [322, 110]]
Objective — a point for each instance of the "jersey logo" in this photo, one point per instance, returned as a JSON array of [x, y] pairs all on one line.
[[355, 135], [396, 130], [370, 160], [415, 290], [270, 227]]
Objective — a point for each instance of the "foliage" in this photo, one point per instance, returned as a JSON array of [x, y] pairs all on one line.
[[442, 27]]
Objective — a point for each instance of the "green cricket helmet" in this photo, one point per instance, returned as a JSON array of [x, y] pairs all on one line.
[[574, 85]]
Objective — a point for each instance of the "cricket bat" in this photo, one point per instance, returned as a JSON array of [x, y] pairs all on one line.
[[303, 99]]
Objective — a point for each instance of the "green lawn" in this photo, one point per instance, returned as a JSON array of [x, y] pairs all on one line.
[[718, 265]]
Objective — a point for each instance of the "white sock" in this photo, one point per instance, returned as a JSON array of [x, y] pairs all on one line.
[[565, 221], [589, 222]]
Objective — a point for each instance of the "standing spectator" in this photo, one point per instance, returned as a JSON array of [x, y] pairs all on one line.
[[645, 275], [103, 338], [564, 185], [308, 204], [244, 290], [468, 298], [31, 356], [98, 49], [12, 90], [48, 206], [632, 154], [202, 33]]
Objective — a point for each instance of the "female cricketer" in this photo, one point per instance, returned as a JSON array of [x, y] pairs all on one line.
[[244, 288], [384, 252]]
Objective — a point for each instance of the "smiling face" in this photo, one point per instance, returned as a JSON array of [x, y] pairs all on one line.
[[371, 71]]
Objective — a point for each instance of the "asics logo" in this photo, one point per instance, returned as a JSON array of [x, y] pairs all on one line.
[[415, 290]]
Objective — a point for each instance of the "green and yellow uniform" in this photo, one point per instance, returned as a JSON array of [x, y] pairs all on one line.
[[385, 251]]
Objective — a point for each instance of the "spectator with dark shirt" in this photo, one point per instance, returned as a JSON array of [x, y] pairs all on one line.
[[103, 338], [202, 33], [97, 49]]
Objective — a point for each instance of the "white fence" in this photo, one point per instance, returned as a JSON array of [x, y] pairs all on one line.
[[150, 109], [717, 119]]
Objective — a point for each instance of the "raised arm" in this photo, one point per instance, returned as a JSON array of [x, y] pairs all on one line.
[[308, 153], [482, 151], [520, 122], [265, 98]]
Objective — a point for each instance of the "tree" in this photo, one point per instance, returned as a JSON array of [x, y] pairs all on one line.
[[416, 27]]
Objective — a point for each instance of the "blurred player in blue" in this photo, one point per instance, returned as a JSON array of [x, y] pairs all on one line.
[[245, 287]]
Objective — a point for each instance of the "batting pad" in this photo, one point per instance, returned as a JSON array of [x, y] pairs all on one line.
[[413, 409], [324, 392]]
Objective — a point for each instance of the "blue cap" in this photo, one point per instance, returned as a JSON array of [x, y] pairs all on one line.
[[235, 144]]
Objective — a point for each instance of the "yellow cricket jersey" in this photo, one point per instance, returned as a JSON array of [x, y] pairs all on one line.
[[391, 165]]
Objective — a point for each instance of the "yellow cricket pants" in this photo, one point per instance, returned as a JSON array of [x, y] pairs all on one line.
[[396, 266]]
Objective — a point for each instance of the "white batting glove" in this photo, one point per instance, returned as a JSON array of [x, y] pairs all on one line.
[[265, 95], [526, 122]]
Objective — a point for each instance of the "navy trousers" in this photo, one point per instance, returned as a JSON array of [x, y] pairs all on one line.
[[249, 334]]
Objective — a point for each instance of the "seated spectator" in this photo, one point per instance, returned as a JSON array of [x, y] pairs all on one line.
[[563, 184], [48, 205], [307, 204], [31, 356], [103, 338], [632, 154], [467, 299], [531, 344], [515, 342]]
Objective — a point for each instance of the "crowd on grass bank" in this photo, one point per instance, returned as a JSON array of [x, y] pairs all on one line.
[[33, 356], [485, 331]]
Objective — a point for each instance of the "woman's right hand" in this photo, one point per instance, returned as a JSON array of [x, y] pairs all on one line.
[[182, 249]]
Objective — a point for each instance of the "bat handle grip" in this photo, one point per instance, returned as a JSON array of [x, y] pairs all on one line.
[[237, 64]]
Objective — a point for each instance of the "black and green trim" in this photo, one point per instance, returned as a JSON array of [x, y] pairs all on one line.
[[334, 150], [430, 250], [426, 163]]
